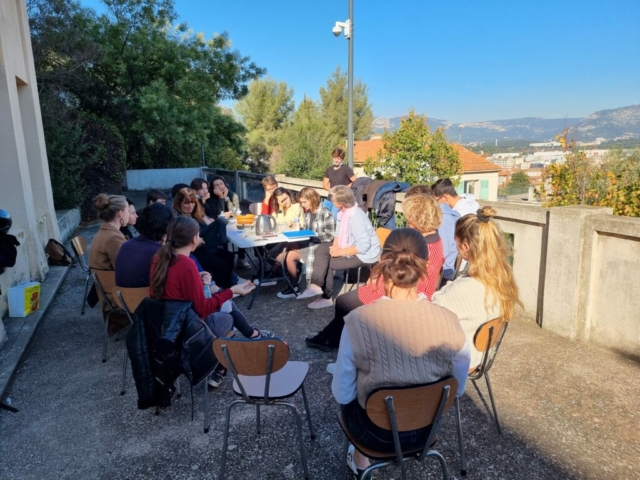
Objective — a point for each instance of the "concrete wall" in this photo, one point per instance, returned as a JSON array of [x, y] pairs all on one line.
[[25, 185], [162, 178]]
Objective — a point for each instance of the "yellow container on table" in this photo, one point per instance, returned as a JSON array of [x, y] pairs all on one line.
[[24, 299]]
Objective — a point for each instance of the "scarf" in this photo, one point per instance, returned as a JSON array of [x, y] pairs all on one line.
[[343, 231]]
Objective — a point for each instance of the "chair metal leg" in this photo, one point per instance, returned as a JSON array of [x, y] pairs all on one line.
[[178, 391], [366, 475], [86, 291], [258, 418], [225, 438], [493, 403], [303, 453], [345, 453], [306, 407], [124, 372], [206, 407], [106, 338], [443, 463], [463, 454]]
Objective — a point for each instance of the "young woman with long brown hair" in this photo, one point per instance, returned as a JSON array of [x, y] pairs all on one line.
[[401, 339], [489, 289], [174, 276]]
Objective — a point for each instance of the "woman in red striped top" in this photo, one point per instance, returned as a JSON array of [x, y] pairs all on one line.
[[422, 213]]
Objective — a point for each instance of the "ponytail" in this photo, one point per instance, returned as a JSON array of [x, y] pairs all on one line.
[[180, 233]]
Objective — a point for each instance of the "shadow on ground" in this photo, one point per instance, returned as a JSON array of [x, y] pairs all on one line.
[[568, 410]]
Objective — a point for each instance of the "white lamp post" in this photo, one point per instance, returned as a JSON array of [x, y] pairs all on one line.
[[347, 27]]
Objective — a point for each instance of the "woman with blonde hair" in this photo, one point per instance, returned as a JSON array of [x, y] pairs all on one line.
[[489, 290], [354, 245], [318, 219]]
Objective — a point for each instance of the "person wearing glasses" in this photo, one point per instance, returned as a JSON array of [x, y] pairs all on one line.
[[270, 184]]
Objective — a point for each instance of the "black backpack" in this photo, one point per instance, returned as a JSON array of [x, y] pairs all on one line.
[[57, 254]]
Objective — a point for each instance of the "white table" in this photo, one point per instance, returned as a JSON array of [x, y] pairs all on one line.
[[238, 238]]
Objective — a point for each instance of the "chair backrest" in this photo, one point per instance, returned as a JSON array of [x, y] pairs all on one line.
[[415, 406], [105, 281], [487, 340], [382, 234], [251, 357], [489, 334], [79, 247], [130, 298]]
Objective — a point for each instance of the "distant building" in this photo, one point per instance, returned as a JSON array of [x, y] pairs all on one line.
[[545, 144], [478, 175]]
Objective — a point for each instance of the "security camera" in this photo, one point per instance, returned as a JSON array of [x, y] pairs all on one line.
[[337, 30]]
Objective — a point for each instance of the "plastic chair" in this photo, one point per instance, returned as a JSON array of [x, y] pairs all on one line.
[[263, 376], [79, 247], [128, 299], [487, 340], [402, 409], [105, 281], [382, 234]]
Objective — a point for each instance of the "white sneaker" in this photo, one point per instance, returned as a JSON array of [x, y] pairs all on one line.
[[331, 368], [351, 463], [320, 303], [311, 291]]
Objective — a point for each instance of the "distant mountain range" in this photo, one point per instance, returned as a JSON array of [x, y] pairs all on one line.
[[608, 125]]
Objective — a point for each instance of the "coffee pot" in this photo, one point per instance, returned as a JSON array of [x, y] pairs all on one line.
[[265, 224]]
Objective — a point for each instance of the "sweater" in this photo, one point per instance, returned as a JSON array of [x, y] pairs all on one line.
[[104, 247], [466, 298], [363, 237], [133, 262], [184, 283], [402, 342], [294, 211]]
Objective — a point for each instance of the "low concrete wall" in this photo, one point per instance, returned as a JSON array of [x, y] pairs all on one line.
[[68, 221], [577, 268], [162, 178]]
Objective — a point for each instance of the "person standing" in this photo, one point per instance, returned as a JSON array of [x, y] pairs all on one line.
[[337, 174]]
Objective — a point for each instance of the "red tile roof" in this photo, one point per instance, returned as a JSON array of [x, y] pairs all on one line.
[[471, 162]]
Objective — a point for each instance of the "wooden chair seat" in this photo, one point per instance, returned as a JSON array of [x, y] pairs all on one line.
[[284, 383]]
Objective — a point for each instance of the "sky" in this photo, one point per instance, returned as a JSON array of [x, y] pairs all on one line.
[[456, 60]]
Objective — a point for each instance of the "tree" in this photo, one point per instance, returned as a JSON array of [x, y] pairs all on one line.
[[306, 144], [519, 181], [623, 182], [335, 108], [413, 154], [265, 111], [157, 84]]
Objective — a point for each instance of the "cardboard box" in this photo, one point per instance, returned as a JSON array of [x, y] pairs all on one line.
[[24, 299]]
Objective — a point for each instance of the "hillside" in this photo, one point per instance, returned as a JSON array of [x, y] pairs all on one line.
[[608, 125]]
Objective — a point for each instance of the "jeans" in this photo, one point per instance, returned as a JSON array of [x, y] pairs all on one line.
[[345, 304], [220, 323], [367, 433], [324, 265]]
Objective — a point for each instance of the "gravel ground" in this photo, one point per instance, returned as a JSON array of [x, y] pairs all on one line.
[[568, 410]]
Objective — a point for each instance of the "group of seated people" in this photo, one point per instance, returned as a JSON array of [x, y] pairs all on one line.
[[415, 308]]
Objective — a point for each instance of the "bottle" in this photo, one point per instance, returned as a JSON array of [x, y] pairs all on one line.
[[207, 291], [296, 224]]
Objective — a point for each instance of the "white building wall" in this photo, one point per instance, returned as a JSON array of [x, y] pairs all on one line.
[[477, 177], [25, 185]]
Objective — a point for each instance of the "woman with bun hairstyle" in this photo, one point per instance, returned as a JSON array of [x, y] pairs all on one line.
[[489, 290], [113, 210], [399, 340], [423, 214]]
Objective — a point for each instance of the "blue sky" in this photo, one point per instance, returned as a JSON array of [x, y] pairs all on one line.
[[457, 60]]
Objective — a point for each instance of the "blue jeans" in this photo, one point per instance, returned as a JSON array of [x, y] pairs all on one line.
[[220, 323], [328, 204]]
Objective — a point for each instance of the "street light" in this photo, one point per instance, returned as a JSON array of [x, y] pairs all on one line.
[[347, 27]]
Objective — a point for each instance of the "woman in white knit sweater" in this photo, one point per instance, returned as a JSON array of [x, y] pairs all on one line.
[[489, 290], [401, 339]]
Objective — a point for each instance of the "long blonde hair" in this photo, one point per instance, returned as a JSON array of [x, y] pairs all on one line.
[[488, 254]]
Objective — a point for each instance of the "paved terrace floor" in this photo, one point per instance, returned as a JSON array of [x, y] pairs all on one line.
[[568, 410]]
